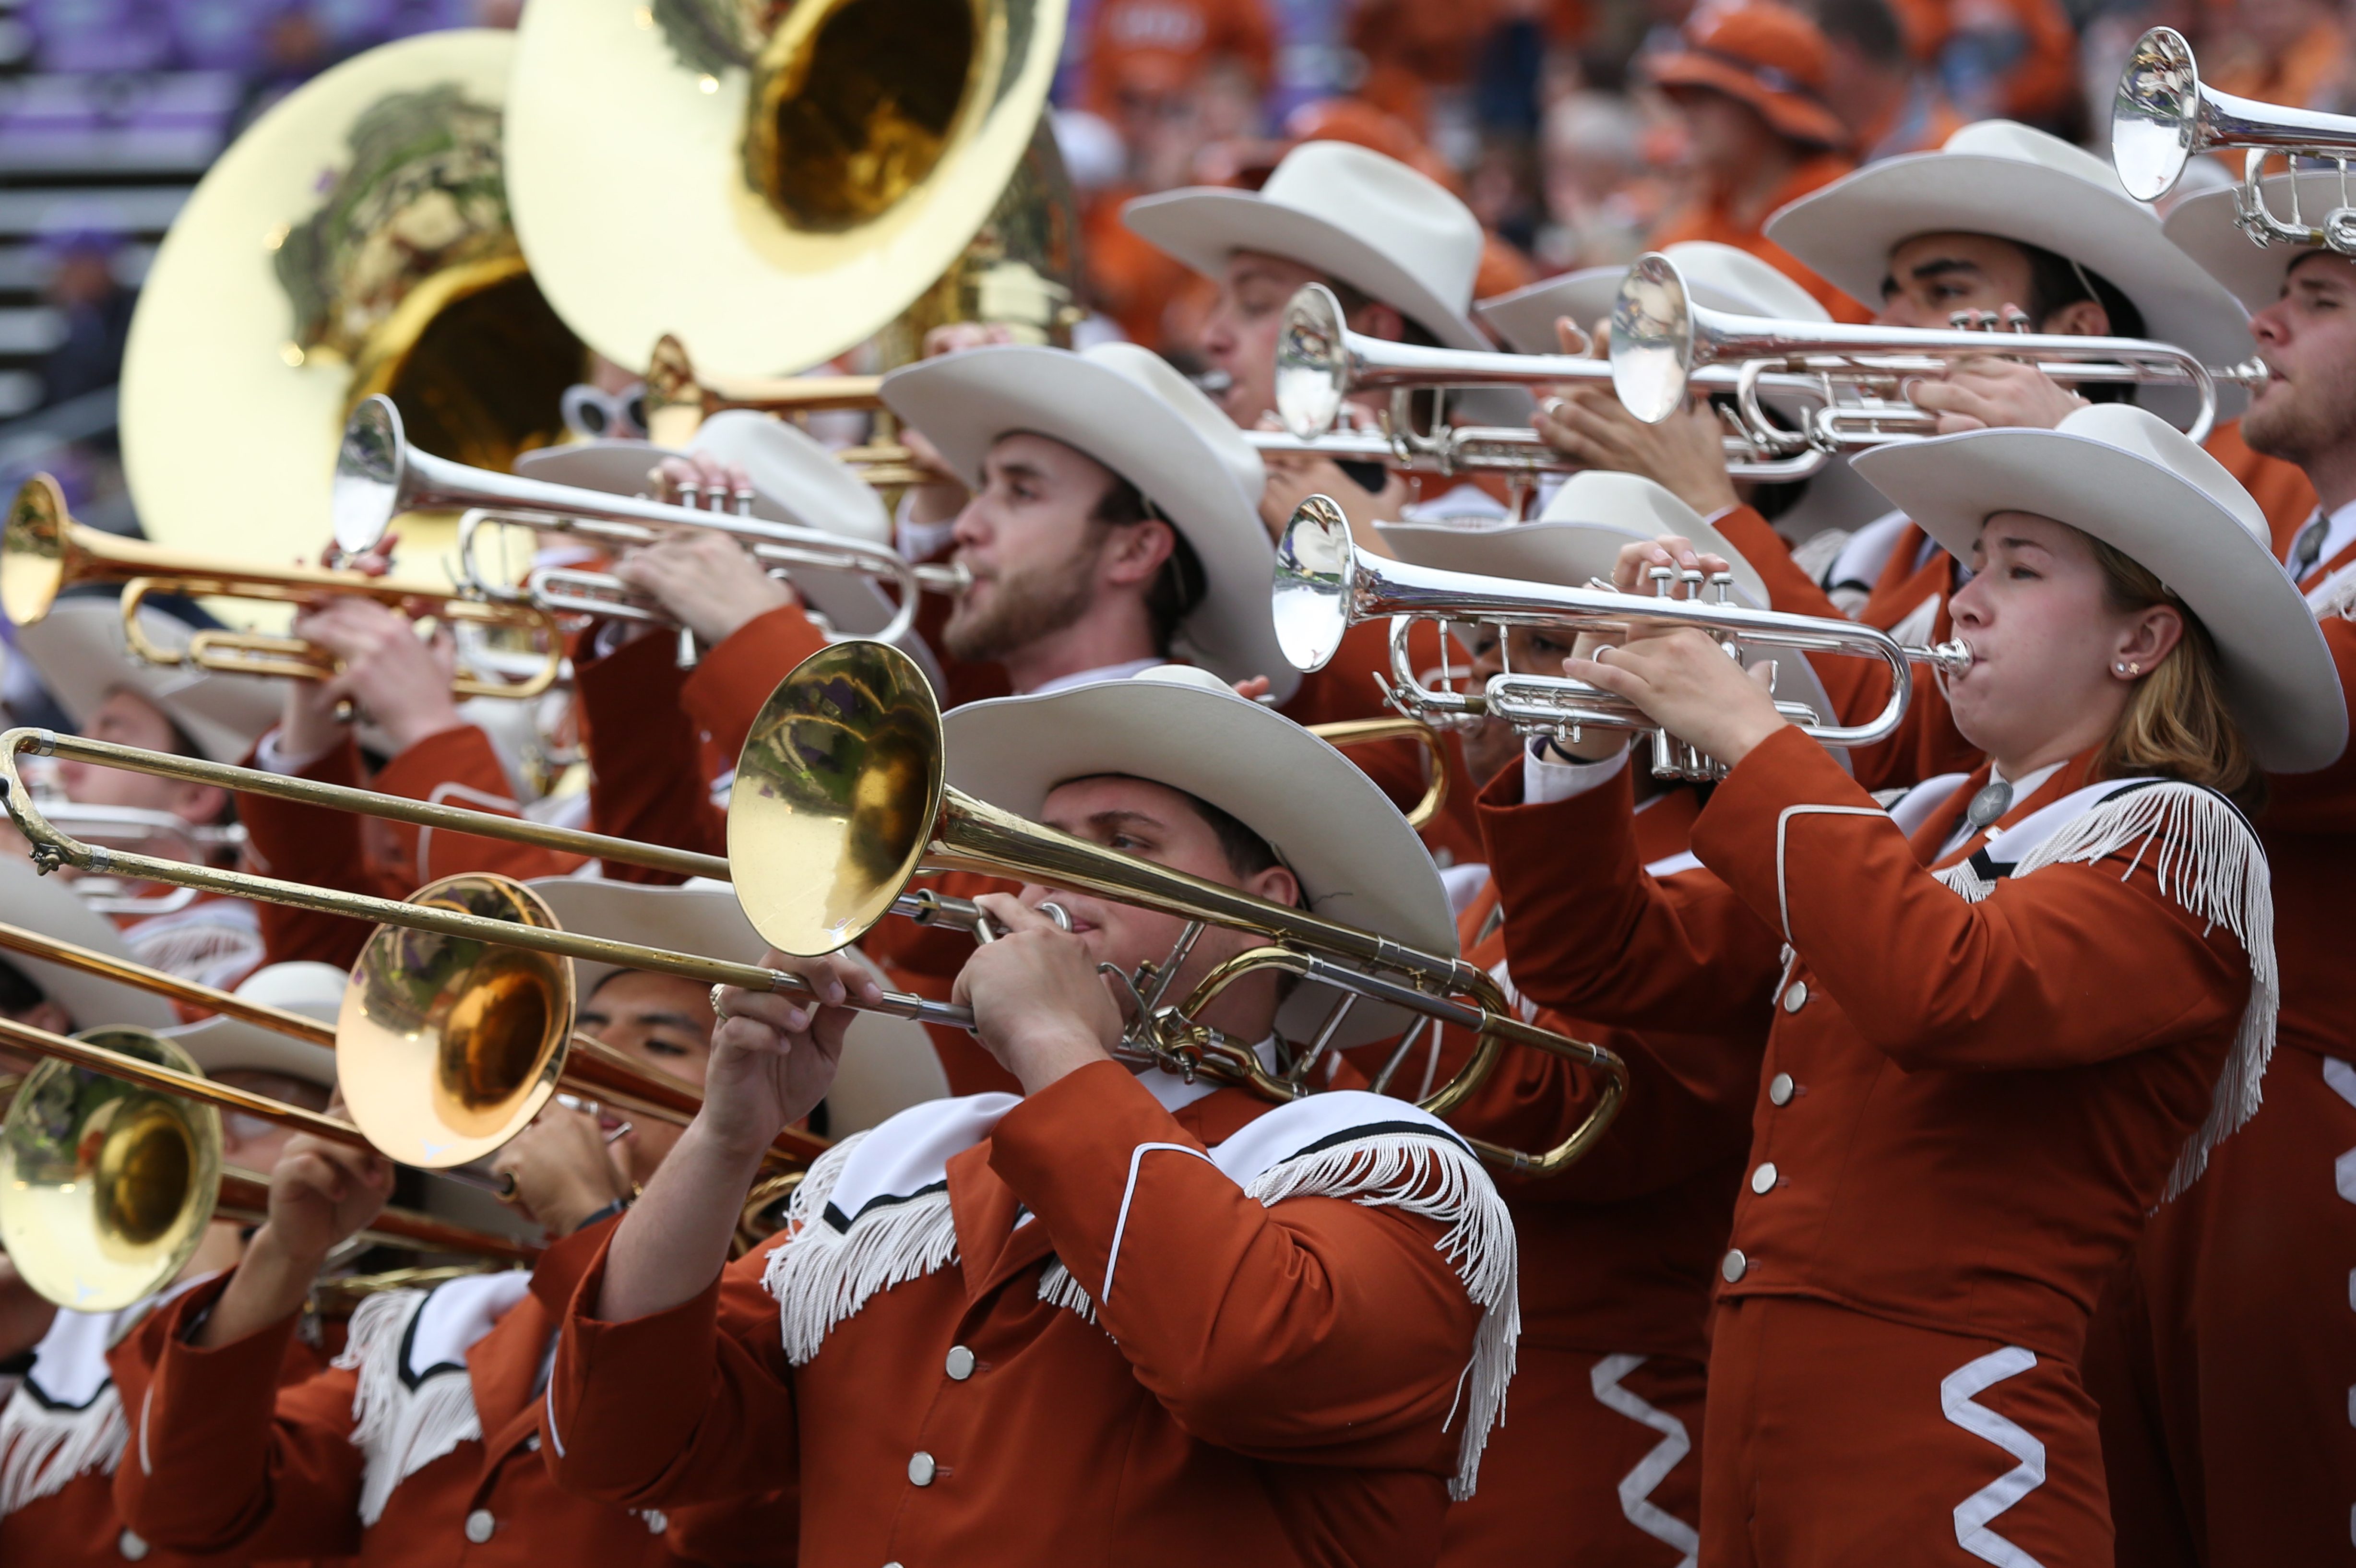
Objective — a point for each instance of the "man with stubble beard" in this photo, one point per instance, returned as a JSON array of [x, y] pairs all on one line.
[[2222, 1355]]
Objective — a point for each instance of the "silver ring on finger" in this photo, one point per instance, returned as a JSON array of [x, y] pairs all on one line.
[[719, 1004], [1553, 408]]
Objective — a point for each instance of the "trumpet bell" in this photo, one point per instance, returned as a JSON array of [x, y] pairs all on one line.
[[1651, 339], [1316, 572], [2155, 114], [33, 551], [836, 791], [105, 1188], [1313, 362], [446, 1047], [366, 493]]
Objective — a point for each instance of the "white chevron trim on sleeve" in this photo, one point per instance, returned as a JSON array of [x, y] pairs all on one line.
[[1956, 1392]]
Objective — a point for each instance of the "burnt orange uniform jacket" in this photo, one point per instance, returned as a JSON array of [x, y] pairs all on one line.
[[1255, 1385], [390, 860], [229, 1465], [1600, 1462], [79, 1526], [2224, 1356], [1711, 220], [1968, 1107]]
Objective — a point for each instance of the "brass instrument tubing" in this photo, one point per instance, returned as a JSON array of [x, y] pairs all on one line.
[[141, 977], [169, 1081], [245, 1196]]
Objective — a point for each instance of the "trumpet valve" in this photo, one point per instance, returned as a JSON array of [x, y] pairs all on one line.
[[1722, 587], [1662, 577]]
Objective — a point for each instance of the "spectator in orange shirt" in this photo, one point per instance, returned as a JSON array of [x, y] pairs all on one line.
[[1750, 83], [2014, 59], [2278, 51], [1890, 104], [1153, 49]]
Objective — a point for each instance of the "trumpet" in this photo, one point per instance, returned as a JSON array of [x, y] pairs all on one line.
[[679, 400], [839, 803], [380, 475], [1661, 340], [2163, 114], [43, 552], [1319, 362], [1325, 585], [111, 1167]]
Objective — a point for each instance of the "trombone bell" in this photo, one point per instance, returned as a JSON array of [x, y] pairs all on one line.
[[105, 1187], [446, 1047]]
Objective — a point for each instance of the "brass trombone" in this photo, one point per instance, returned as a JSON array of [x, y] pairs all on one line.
[[1320, 362], [380, 475], [839, 801], [111, 1166], [1324, 584], [679, 400], [132, 826], [2163, 115], [43, 551], [1661, 341]]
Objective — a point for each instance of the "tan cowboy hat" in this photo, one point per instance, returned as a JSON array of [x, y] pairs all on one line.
[[796, 480], [221, 1044], [2201, 226], [2126, 476], [1356, 858], [49, 906], [1998, 178], [241, 363], [629, 131], [1125, 407], [888, 1063], [80, 649], [1346, 210], [1718, 276], [1579, 538]]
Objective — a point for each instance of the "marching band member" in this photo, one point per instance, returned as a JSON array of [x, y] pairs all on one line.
[[64, 1430], [84, 660], [1599, 1464], [2217, 1356], [1120, 1315], [419, 1445], [1995, 1043], [1400, 253]]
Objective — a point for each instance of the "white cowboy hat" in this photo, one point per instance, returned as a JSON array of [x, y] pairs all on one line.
[[80, 649], [796, 480], [2127, 477], [1357, 860], [1579, 536], [1125, 407], [1718, 276], [888, 1063], [1998, 178], [218, 400], [49, 906], [221, 1044], [1348, 211], [2201, 226]]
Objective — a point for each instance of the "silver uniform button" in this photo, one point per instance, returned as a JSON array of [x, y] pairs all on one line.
[[961, 1362], [1733, 1265], [131, 1545], [1779, 1089], [1795, 996], [1763, 1179], [921, 1468], [479, 1525]]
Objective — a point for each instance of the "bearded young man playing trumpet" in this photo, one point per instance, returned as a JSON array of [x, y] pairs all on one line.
[[419, 1443], [2005, 1019], [1118, 1315]]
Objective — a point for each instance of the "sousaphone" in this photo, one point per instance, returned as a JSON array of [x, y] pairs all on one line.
[[355, 241]]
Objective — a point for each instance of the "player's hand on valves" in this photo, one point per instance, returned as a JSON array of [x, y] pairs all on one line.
[[706, 580], [562, 1169], [390, 676], [774, 1052], [1681, 678], [1040, 1006], [1988, 392]]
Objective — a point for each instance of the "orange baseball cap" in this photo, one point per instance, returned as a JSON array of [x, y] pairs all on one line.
[[1767, 56]]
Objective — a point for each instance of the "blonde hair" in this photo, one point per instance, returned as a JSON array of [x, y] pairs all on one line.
[[2177, 723]]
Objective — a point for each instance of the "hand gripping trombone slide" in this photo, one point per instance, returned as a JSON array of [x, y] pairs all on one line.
[[1325, 585], [839, 800]]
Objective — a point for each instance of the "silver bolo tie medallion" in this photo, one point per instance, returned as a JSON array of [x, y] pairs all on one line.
[[1990, 803]]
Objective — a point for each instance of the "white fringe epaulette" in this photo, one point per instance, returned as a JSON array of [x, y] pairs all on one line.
[[824, 1274], [42, 1447], [399, 1429], [1436, 1177], [2208, 860], [1058, 1288]]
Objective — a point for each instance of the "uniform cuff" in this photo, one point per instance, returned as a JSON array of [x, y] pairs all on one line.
[[1548, 777], [627, 1384]]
